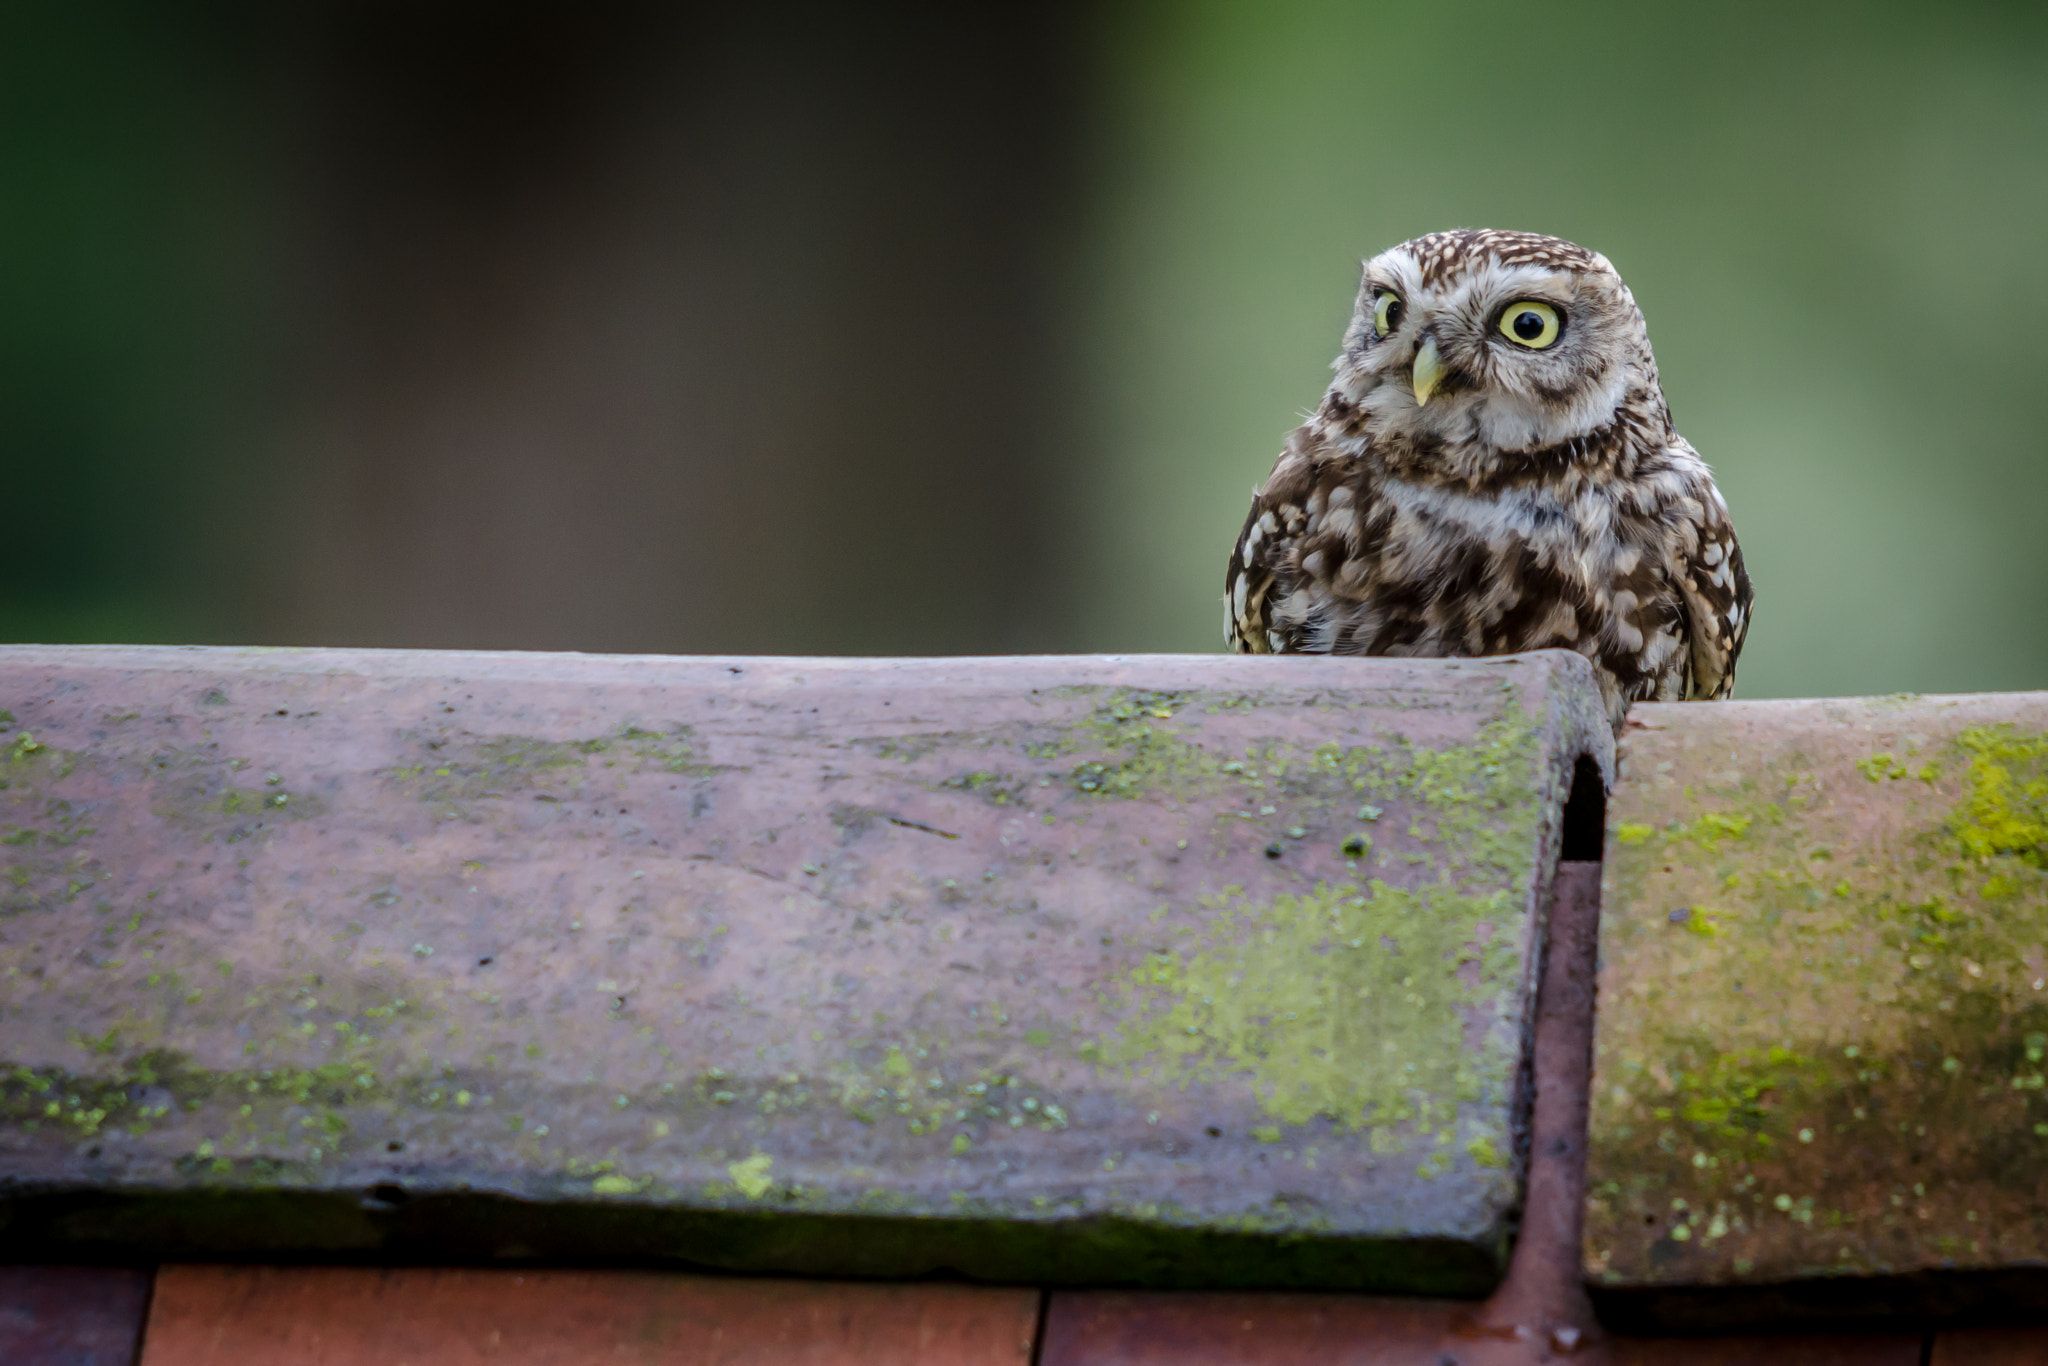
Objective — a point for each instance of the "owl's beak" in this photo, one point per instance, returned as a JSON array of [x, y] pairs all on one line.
[[1429, 372]]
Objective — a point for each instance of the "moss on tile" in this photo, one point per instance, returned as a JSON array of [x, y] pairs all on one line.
[[1348, 1003], [1841, 1077], [458, 768], [1354, 1002]]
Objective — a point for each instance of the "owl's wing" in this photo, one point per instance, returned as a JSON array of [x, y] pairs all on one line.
[[1262, 613], [1260, 548], [1717, 597]]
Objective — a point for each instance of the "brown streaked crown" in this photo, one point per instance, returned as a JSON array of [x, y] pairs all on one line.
[[1441, 255]]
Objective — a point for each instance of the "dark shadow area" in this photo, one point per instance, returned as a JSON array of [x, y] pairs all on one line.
[[480, 1228], [1922, 1302], [1584, 832]]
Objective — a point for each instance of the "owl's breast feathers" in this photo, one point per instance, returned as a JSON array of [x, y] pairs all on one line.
[[1616, 545]]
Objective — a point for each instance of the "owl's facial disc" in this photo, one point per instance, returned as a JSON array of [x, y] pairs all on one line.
[[1494, 345]]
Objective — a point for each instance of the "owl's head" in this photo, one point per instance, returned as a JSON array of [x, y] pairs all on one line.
[[1482, 344]]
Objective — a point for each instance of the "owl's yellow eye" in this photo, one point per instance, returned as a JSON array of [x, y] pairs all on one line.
[[1386, 314], [1530, 322]]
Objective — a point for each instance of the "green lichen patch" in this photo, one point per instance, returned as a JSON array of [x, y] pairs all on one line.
[[2005, 813], [750, 1175], [45, 862], [918, 1092], [1481, 802], [138, 1092], [27, 765], [673, 750], [1348, 1004], [1823, 1011], [1356, 1003], [197, 790], [202, 792], [469, 768], [316, 1051], [1139, 754], [997, 789], [466, 768]]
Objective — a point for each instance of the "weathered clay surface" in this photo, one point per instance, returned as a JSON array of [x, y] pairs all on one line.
[[1119, 970], [1168, 1328], [1823, 1010], [377, 1316]]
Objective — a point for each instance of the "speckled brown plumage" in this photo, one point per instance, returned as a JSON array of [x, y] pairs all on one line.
[[1479, 481]]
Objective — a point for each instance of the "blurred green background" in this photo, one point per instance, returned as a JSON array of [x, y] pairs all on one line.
[[641, 328]]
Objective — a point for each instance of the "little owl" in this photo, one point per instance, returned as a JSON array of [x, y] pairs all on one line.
[[1494, 469]]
